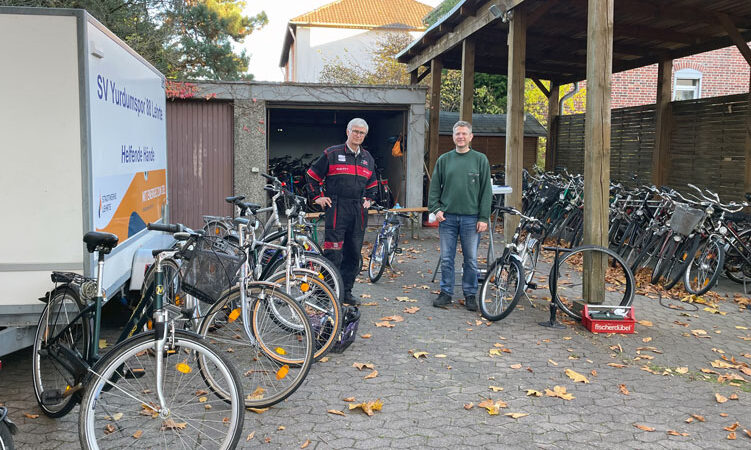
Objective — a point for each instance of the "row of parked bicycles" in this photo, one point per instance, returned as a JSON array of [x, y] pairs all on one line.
[[671, 238], [230, 317]]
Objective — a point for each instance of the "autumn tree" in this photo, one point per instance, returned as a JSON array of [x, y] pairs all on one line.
[[181, 38]]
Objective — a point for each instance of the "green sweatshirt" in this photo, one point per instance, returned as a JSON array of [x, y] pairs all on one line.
[[461, 185]]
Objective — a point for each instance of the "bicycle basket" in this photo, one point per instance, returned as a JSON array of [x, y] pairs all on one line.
[[211, 267], [685, 219]]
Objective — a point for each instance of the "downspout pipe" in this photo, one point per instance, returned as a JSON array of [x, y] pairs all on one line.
[[568, 95]]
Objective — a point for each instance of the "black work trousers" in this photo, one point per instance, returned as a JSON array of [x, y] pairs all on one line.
[[346, 220]]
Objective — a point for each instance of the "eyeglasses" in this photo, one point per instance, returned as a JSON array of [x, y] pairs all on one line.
[[361, 133]]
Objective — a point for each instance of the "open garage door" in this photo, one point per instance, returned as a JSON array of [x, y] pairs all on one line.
[[298, 134]]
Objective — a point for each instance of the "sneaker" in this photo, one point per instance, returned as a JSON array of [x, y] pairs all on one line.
[[470, 302], [350, 300], [442, 300]]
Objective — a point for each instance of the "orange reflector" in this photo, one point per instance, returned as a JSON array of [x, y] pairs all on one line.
[[282, 372], [183, 368], [280, 350], [234, 315], [305, 287]]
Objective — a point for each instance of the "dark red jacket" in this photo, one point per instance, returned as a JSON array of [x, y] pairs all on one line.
[[339, 173]]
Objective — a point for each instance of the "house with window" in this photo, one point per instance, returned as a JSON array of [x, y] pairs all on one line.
[[345, 32], [710, 74]]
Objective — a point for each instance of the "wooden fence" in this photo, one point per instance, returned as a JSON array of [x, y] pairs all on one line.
[[707, 144]]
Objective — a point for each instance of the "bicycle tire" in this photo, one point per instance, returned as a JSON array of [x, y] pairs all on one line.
[[393, 244], [262, 362], [685, 253], [705, 267], [504, 275], [530, 256], [317, 263], [736, 267], [49, 374], [6, 438], [614, 272], [216, 228], [665, 260], [320, 304], [378, 259], [111, 420], [648, 252]]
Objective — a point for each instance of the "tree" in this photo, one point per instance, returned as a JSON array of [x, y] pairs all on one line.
[[181, 38]]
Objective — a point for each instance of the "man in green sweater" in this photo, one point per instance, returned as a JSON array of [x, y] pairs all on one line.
[[460, 196]]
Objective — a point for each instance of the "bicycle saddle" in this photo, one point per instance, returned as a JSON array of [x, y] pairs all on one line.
[[97, 239]]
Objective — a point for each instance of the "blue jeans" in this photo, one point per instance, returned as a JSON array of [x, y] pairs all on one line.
[[465, 227]]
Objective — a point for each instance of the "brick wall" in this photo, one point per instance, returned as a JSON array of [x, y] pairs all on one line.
[[724, 72]]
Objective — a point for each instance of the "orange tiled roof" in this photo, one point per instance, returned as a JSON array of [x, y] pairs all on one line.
[[406, 14]]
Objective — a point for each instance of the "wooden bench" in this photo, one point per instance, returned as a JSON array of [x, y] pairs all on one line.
[[415, 217]]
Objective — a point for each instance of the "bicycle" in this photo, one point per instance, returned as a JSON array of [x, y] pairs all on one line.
[[7, 428], [162, 374], [386, 245]]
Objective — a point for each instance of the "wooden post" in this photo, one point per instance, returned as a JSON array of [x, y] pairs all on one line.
[[436, 66], [468, 79], [747, 180], [413, 77], [551, 142], [597, 143], [517, 46], [660, 157]]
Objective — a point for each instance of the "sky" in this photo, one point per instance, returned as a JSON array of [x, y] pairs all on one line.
[[265, 45]]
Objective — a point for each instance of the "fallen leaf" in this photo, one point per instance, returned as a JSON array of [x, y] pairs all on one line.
[[370, 304], [31, 416], [385, 324], [203, 399], [731, 436], [534, 393], [372, 374], [411, 310], [393, 318], [698, 417], [469, 406], [259, 410], [720, 398], [138, 434], [593, 372], [348, 399], [360, 366], [560, 392], [516, 366], [620, 366], [491, 406], [439, 356], [305, 444], [109, 429], [643, 427], [646, 323], [170, 424], [516, 415], [676, 433], [365, 295], [368, 407], [733, 397], [366, 336], [681, 370], [281, 428], [495, 388], [418, 355], [577, 377], [622, 388], [552, 362], [646, 339], [732, 427], [335, 411]]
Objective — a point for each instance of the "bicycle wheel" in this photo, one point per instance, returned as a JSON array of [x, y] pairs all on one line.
[[737, 268], [665, 259], [502, 288], [121, 407], [216, 228], [319, 303], [683, 256], [6, 438], [570, 291], [275, 362], [52, 379], [378, 259], [176, 302], [325, 270], [704, 267], [393, 244], [530, 255]]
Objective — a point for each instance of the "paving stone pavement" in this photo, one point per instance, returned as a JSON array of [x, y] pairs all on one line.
[[424, 399]]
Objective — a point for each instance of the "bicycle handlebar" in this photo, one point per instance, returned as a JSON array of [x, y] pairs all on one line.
[[168, 227]]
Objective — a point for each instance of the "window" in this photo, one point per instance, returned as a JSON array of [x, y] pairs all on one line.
[[687, 85]]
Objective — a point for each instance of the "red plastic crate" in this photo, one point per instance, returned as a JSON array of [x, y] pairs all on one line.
[[625, 326]]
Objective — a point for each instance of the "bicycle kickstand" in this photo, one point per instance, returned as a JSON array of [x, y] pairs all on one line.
[[553, 282]]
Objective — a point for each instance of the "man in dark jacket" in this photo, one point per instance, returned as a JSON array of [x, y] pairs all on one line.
[[343, 182]]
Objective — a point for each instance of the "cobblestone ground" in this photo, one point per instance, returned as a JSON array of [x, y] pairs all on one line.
[[652, 379]]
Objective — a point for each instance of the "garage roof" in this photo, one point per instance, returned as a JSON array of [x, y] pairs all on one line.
[[644, 32]]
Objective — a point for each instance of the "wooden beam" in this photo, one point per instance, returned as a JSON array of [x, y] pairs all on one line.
[[465, 28], [424, 74], [541, 86], [436, 66], [735, 36], [517, 46], [662, 11], [660, 156], [648, 33], [597, 144], [551, 143], [541, 10], [413, 77], [468, 80]]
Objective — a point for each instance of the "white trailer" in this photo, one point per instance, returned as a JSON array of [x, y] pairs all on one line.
[[84, 147]]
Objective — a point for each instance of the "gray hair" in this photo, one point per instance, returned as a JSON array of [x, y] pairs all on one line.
[[357, 122], [462, 123]]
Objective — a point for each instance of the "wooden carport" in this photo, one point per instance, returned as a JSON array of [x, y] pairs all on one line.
[[570, 40]]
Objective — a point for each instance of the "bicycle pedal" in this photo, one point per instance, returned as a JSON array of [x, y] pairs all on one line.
[[531, 285], [51, 397], [73, 390], [398, 251]]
